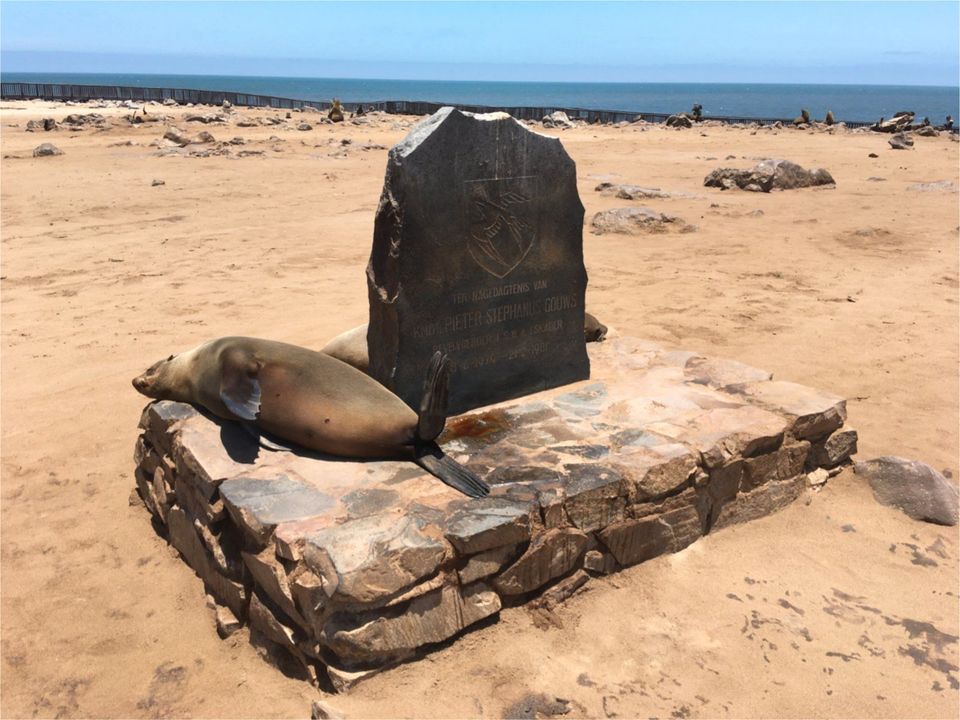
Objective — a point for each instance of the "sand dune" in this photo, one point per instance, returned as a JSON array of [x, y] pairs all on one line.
[[836, 607]]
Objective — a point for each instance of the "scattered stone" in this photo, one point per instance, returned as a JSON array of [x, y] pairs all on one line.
[[768, 175], [559, 120], [679, 121], [947, 185], [875, 178], [177, 136], [304, 126], [46, 150], [169, 102], [818, 477], [636, 192], [873, 155], [899, 122], [927, 131], [227, 623], [46, 124], [637, 221], [901, 141], [157, 182], [533, 706], [203, 138], [913, 487], [320, 710]]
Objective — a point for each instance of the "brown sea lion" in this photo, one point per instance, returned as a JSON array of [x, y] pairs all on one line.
[[593, 329], [312, 400], [351, 346]]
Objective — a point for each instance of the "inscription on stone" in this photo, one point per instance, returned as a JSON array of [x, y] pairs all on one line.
[[478, 252]]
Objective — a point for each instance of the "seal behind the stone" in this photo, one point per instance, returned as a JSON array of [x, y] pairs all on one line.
[[312, 400]]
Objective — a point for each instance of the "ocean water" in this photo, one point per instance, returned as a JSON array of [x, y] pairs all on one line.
[[848, 102]]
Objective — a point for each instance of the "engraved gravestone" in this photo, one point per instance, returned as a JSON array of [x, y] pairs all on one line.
[[478, 252]]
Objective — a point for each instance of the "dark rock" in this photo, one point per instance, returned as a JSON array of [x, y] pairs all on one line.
[[46, 150], [637, 221], [901, 141], [679, 120], [634, 541], [913, 487], [304, 126], [155, 182], [927, 131], [834, 449], [595, 496], [768, 175], [430, 618], [551, 554], [488, 523], [481, 258], [369, 559], [764, 500], [259, 505]]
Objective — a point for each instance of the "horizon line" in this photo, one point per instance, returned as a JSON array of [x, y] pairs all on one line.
[[441, 80]]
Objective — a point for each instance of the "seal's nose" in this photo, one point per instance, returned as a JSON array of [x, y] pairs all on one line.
[[139, 384]]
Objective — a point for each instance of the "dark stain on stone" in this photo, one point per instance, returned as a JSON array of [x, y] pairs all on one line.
[[488, 426], [734, 597], [523, 473], [590, 452], [403, 474], [367, 501]]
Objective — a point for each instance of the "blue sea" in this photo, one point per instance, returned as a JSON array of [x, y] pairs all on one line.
[[848, 102]]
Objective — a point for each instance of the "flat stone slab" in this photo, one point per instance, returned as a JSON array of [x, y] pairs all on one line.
[[354, 566]]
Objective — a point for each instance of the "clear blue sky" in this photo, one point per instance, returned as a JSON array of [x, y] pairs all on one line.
[[912, 43]]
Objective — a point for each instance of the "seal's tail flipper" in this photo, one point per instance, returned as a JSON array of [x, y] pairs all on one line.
[[431, 458], [433, 403]]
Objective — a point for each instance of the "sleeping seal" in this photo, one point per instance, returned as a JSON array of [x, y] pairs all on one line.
[[313, 400], [351, 346]]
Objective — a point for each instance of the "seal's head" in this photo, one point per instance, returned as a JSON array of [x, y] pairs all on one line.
[[158, 381]]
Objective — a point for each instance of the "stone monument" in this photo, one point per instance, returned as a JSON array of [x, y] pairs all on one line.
[[478, 252]]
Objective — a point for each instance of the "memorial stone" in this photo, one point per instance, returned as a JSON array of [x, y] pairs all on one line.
[[478, 252]]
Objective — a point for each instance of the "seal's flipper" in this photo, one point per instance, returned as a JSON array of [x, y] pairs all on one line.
[[239, 387], [431, 458], [433, 404], [262, 440]]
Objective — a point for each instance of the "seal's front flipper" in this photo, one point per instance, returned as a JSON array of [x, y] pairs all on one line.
[[433, 403], [262, 440], [431, 458], [239, 387]]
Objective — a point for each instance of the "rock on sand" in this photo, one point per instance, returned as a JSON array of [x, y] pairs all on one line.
[[913, 487], [637, 221], [46, 150], [768, 175]]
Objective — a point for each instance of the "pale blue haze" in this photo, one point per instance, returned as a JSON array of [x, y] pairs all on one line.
[[887, 43]]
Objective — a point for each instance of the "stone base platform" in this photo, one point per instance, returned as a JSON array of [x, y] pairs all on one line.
[[353, 566]]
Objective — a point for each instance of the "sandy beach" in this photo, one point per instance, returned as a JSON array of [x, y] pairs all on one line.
[[118, 252]]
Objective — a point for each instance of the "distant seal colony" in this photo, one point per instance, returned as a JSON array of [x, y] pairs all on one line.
[[313, 400]]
